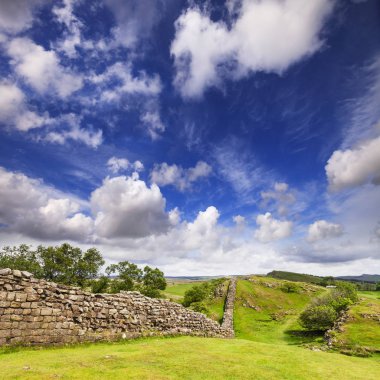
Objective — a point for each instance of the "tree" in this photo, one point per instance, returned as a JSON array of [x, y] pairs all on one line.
[[153, 281], [318, 318], [290, 287], [378, 286], [69, 265], [129, 275], [21, 258]]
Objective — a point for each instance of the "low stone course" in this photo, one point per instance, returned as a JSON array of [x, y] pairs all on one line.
[[36, 312]]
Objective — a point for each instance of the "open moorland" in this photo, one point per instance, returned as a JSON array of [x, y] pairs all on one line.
[[270, 343]]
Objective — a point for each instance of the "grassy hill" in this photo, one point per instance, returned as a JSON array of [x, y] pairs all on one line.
[[292, 276], [184, 358], [361, 332], [177, 288], [265, 313], [268, 345], [364, 277]]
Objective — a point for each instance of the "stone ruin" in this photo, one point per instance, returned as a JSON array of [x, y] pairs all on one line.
[[38, 312]]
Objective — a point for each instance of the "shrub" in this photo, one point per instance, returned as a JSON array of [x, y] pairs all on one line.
[[100, 285], [318, 318], [290, 287], [197, 293]]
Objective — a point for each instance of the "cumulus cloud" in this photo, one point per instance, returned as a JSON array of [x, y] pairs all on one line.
[[124, 207], [41, 68], [74, 132], [115, 165], [239, 220], [272, 229], [266, 36], [354, 167], [17, 15], [14, 110], [321, 229], [280, 197], [164, 174], [36, 210]]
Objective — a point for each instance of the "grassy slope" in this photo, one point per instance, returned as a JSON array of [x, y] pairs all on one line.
[[360, 331], [184, 358], [176, 292], [292, 276], [259, 325]]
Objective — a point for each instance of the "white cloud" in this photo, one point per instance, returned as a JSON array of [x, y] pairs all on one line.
[[272, 229], [354, 167], [14, 109], [17, 15], [126, 82], [152, 121], [74, 132], [36, 210], [267, 36], [42, 69], [115, 165], [280, 197], [134, 20], [125, 207], [72, 37], [239, 220], [164, 174], [321, 229]]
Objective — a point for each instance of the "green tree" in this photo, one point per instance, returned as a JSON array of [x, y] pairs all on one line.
[[318, 318], [100, 285], [21, 258], [378, 286], [69, 265], [290, 287], [153, 281], [128, 275]]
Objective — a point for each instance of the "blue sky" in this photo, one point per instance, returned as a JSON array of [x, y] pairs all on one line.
[[203, 137]]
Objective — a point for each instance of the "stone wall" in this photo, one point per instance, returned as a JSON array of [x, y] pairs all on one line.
[[228, 316], [35, 311]]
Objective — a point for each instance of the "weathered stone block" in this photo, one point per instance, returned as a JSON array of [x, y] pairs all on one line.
[[46, 311]]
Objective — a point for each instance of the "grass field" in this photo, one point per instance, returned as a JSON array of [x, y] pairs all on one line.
[[269, 315], [176, 291], [184, 358], [363, 326]]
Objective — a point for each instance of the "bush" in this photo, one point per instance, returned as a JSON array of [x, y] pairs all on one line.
[[318, 318], [100, 285], [290, 287], [197, 293]]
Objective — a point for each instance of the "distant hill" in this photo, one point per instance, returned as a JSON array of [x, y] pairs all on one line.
[[361, 278], [291, 276]]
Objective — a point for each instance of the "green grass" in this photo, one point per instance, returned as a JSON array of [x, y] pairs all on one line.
[[369, 294], [176, 290], [360, 331], [292, 276], [275, 319], [184, 358]]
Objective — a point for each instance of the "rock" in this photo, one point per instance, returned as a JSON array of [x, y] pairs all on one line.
[[5, 271]]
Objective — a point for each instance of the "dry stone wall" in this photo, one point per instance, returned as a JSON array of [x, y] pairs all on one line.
[[35, 312], [228, 316]]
